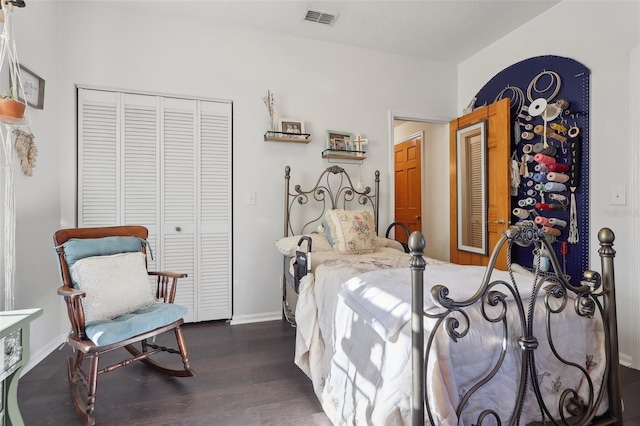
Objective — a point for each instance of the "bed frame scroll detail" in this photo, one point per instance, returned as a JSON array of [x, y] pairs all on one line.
[[333, 190], [594, 299]]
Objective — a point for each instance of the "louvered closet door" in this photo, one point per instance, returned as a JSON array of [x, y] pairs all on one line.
[[196, 204], [178, 201], [141, 165], [214, 245], [164, 163], [98, 159]]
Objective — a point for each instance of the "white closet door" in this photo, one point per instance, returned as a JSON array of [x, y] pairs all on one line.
[[98, 158], [178, 197], [214, 292], [140, 166], [164, 163]]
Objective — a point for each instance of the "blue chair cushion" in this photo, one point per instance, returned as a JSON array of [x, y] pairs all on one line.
[[79, 248], [106, 332]]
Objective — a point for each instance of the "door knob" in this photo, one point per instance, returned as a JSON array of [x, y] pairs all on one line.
[[499, 222], [178, 229], [416, 217]]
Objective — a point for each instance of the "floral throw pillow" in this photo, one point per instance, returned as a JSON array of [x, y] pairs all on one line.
[[353, 232]]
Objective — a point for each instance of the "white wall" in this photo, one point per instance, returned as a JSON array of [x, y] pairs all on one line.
[[579, 30], [435, 183]]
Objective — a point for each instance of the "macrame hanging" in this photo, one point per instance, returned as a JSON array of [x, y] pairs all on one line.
[[13, 114]]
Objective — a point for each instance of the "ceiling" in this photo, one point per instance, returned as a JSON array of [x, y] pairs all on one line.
[[443, 30]]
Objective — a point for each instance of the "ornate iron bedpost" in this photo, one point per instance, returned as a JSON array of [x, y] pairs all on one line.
[[287, 176], [417, 265], [607, 253]]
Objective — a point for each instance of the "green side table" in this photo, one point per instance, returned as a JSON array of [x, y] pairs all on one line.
[[14, 355]]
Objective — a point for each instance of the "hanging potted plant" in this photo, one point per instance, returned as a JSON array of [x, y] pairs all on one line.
[[11, 108]]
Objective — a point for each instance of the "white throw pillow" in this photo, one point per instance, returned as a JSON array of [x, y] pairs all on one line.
[[387, 242], [115, 285], [288, 245]]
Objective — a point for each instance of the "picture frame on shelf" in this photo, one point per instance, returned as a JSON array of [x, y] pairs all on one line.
[[339, 141], [291, 127], [31, 91]]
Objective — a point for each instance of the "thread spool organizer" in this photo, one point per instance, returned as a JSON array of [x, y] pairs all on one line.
[[549, 98]]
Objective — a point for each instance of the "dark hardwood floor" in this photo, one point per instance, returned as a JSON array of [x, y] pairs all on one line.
[[245, 377]]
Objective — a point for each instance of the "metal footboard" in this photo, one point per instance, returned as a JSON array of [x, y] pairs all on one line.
[[594, 298]]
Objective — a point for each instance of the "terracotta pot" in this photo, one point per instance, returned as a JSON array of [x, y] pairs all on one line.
[[11, 108]]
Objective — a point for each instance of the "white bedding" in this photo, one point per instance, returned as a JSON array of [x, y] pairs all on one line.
[[361, 370]]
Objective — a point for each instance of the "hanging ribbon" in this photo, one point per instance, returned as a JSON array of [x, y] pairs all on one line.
[[574, 181], [515, 174]]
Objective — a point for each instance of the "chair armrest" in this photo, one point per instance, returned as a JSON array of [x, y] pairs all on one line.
[[168, 274], [166, 285], [67, 291], [73, 298]]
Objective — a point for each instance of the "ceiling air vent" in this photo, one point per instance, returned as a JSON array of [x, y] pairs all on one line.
[[320, 17]]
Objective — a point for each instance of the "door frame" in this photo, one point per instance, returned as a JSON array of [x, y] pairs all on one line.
[[635, 205], [407, 116]]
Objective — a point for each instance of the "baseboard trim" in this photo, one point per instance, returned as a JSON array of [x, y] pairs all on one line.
[[626, 360], [35, 358], [246, 319]]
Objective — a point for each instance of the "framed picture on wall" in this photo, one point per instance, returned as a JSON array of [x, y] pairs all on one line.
[[291, 127], [32, 89], [339, 141]]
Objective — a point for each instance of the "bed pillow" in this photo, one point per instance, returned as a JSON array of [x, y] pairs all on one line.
[[288, 245], [353, 231], [114, 285], [388, 242]]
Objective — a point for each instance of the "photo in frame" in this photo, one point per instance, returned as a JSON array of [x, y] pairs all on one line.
[[291, 127], [339, 141], [33, 87]]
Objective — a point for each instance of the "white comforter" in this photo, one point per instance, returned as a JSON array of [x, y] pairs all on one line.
[[360, 363]]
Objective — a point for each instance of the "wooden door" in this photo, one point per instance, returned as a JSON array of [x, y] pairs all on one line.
[[497, 116], [408, 187]]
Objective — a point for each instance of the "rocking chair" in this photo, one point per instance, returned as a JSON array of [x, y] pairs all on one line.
[[110, 304]]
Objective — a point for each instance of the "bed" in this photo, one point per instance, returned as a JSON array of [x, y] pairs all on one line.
[[486, 347]]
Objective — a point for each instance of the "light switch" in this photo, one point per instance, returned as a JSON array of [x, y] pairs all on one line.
[[618, 196], [250, 198]]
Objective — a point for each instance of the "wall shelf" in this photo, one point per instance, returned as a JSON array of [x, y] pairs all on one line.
[[272, 136], [344, 155]]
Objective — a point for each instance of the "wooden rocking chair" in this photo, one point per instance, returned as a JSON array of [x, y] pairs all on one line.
[[110, 263]]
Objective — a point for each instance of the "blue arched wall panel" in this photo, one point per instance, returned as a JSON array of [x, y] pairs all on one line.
[[574, 88]]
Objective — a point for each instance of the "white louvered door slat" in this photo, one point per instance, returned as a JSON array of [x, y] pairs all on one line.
[[98, 177], [215, 211]]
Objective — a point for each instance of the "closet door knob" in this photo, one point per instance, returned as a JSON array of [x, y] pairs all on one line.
[[416, 217], [499, 222], [178, 229]]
